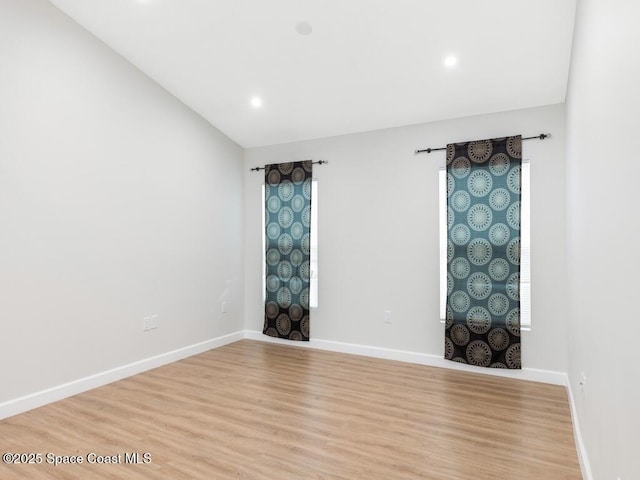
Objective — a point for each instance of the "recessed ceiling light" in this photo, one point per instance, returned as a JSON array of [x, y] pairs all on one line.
[[450, 61], [304, 28], [256, 102]]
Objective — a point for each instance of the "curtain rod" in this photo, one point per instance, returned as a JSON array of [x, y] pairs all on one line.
[[542, 136], [319, 162]]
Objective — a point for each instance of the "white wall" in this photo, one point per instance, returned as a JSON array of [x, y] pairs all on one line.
[[378, 233], [602, 234], [116, 202]]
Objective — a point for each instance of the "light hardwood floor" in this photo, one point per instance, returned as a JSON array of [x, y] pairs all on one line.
[[253, 410]]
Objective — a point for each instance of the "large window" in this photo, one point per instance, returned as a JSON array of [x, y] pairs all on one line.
[[525, 237]]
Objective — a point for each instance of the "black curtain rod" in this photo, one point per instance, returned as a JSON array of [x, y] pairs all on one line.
[[542, 136], [319, 162]]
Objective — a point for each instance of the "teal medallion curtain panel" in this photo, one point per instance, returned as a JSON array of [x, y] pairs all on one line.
[[288, 248], [483, 252]]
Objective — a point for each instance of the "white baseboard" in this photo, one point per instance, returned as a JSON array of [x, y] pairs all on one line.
[[583, 458], [531, 374], [43, 397]]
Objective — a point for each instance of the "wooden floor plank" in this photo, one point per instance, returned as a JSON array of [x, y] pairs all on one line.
[[254, 410]]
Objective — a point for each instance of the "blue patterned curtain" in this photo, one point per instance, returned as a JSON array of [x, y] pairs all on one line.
[[288, 248], [483, 252]]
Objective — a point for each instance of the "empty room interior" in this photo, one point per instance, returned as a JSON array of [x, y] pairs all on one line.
[[304, 239]]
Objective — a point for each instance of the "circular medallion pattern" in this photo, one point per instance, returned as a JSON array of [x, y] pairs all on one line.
[[297, 230], [498, 304], [297, 203], [304, 326], [298, 175], [513, 216], [460, 268], [512, 356], [499, 234], [499, 199], [451, 217], [273, 283], [513, 286], [295, 335], [513, 251], [451, 184], [461, 167], [480, 151], [284, 297], [285, 217], [273, 231], [513, 180], [285, 244], [283, 324], [295, 312], [296, 258], [479, 251], [460, 335], [305, 271], [479, 320], [459, 301], [286, 190], [479, 183], [479, 285], [449, 317], [272, 310], [306, 188], [273, 177], [498, 339], [273, 204], [272, 332], [460, 201], [499, 269], [306, 216], [285, 270], [499, 164], [479, 217], [305, 244], [479, 353], [285, 168], [514, 146], [449, 284], [451, 151], [448, 348], [450, 250], [273, 257], [304, 298], [460, 234], [513, 322], [295, 285]]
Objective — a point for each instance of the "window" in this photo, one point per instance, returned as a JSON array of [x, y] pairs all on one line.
[[313, 285], [525, 252]]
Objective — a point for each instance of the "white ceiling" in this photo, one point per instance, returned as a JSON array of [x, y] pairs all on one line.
[[368, 64]]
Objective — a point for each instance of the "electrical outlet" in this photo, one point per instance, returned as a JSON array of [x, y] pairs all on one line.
[[582, 382], [387, 316], [149, 323]]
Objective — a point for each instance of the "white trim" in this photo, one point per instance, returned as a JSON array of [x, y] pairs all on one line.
[[530, 374], [50, 395], [53, 394], [583, 458]]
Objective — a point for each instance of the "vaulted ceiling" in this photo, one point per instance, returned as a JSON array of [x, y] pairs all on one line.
[[332, 67]]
